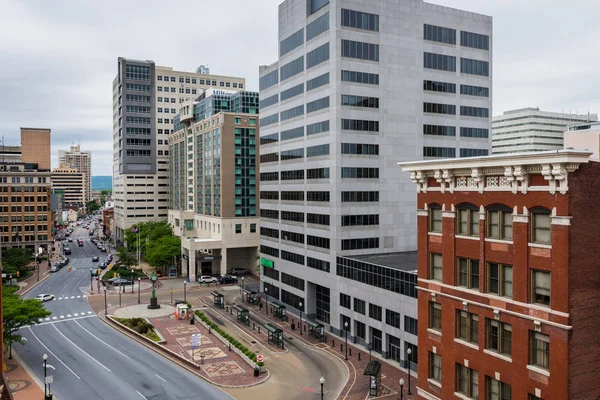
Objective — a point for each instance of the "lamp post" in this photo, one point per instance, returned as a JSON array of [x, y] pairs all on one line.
[[105, 308], [370, 348], [401, 388], [266, 300], [408, 352], [45, 358], [242, 291], [322, 382], [300, 306], [139, 285], [346, 330], [91, 282], [184, 286]]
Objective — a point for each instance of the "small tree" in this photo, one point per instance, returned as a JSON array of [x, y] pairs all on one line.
[[161, 252], [125, 258], [92, 206], [17, 313], [16, 259]]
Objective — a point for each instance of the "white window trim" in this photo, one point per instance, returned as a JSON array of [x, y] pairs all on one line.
[[435, 332], [491, 240], [498, 355], [464, 343], [434, 233], [538, 370], [476, 238], [434, 382], [539, 245]]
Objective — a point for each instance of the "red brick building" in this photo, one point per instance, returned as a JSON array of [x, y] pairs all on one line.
[[509, 276]]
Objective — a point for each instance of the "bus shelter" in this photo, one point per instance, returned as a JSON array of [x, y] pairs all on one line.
[[243, 315], [316, 330], [218, 299], [275, 334], [280, 311], [373, 371]]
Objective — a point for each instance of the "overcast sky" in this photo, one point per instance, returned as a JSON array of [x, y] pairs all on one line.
[[58, 58]]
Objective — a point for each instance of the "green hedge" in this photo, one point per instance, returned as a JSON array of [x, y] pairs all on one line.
[[229, 338], [141, 326]]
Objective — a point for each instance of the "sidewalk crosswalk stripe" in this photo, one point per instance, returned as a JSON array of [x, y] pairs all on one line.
[[68, 315], [72, 297], [78, 297], [62, 316], [89, 312], [76, 315], [54, 318]]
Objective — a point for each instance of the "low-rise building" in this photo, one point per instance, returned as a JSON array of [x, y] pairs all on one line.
[[584, 137], [509, 280], [213, 182]]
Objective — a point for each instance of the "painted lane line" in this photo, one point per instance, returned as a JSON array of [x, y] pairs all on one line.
[[62, 320], [47, 319], [50, 351], [160, 378], [78, 297], [102, 341], [72, 297], [60, 298], [85, 295], [143, 397], [80, 349], [54, 318]]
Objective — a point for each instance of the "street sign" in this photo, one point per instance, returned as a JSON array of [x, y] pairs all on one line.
[[49, 380], [259, 358], [153, 277], [196, 340]]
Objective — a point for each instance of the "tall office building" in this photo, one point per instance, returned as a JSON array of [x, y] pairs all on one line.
[[71, 181], [529, 129], [213, 176], [358, 87], [80, 160], [35, 147], [146, 98], [509, 282]]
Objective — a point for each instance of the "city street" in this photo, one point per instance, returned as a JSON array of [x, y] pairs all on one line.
[[91, 360]]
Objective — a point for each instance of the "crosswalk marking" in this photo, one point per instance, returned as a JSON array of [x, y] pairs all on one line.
[[89, 312], [68, 315], [72, 297], [47, 319], [60, 298], [78, 297], [85, 295], [62, 316], [75, 314], [54, 318]]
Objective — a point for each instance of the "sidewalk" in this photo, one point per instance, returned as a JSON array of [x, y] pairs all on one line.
[[22, 385]]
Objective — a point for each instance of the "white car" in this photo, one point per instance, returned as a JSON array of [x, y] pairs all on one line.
[[44, 297], [207, 279]]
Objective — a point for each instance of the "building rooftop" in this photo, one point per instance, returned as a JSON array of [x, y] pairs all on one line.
[[403, 261]]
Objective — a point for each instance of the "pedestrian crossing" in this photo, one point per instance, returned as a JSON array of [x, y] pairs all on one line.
[[71, 297], [65, 317]]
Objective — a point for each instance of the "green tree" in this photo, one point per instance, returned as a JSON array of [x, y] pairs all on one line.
[[125, 258], [148, 232], [163, 251], [15, 259], [92, 206], [17, 313], [106, 192]]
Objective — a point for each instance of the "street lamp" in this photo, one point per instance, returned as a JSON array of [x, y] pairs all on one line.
[[300, 306], [91, 281], [266, 300], [346, 330], [370, 348], [401, 388], [409, 352], [105, 308], [47, 395], [242, 291], [139, 285], [322, 382], [184, 295]]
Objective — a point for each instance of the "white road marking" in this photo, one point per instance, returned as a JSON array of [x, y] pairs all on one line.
[[47, 319], [84, 295], [141, 395], [54, 318], [60, 298], [62, 316], [50, 351], [89, 312], [75, 315], [62, 320], [68, 315], [80, 349], [162, 379], [72, 297], [102, 341], [78, 297]]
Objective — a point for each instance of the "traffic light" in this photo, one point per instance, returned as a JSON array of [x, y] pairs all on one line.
[[114, 274], [69, 268], [99, 270], [18, 273]]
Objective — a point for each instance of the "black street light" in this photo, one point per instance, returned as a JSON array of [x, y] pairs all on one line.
[[91, 281], [401, 388], [300, 306], [105, 308], [408, 352], [139, 285], [184, 286], [346, 330], [242, 289], [47, 394], [322, 382], [132, 280], [266, 300]]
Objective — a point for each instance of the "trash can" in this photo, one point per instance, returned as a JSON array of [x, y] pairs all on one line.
[[256, 371], [192, 319]]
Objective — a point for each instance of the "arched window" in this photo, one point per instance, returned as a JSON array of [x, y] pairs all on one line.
[[435, 218], [467, 221], [499, 222], [540, 225]]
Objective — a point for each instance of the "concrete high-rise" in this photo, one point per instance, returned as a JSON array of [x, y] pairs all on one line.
[[80, 160], [529, 129], [72, 182], [146, 98], [358, 87]]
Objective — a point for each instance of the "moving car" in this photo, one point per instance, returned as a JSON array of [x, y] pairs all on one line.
[[70, 240], [95, 259], [67, 250], [228, 279], [207, 279], [44, 297], [239, 271]]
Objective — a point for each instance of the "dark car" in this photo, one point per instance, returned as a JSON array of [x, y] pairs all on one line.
[[102, 265], [67, 250], [228, 279], [95, 259], [239, 271], [120, 281]]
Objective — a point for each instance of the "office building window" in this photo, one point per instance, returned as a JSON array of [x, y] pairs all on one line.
[[317, 241], [360, 220], [375, 311], [393, 318], [292, 68], [317, 56], [317, 27], [439, 130], [360, 50], [317, 264], [498, 337], [499, 223], [360, 306], [474, 67], [474, 132], [291, 42], [292, 113], [292, 196], [316, 151], [318, 196], [439, 108], [467, 326], [360, 77], [439, 34], [317, 127], [435, 267], [360, 101], [474, 112], [316, 5], [317, 105], [317, 173], [291, 175], [291, 92], [497, 390], [360, 173], [360, 125], [540, 287], [292, 236], [539, 350], [474, 91], [435, 367], [540, 225], [345, 300], [442, 87], [435, 316], [360, 197], [292, 133], [269, 101], [317, 82], [500, 279], [439, 62], [291, 280], [410, 325], [268, 80], [473, 152], [468, 273], [467, 381], [268, 139], [360, 148], [474, 40], [318, 219], [362, 243], [435, 218], [467, 220], [292, 216], [360, 20], [270, 120]]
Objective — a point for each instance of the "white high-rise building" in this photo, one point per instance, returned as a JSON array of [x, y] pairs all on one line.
[[529, 129], [82, 162], [358, 87], [146, 98]]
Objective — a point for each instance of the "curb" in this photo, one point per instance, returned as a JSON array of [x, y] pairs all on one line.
[[34, 285], [182, 363], [31, 374]]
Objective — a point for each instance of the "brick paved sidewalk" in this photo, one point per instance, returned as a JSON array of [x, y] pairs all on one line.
[[220, 365], [22, 385]]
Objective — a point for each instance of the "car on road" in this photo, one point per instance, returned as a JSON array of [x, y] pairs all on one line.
[[67, 250], [102, 265], [55, 268], [103, 249], [95, 259], [44, 297], [207, 279], [109, 257], [239, 271], [119, 281], [70, 240], [228, 279]]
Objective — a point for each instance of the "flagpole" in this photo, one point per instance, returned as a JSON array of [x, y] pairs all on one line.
[[35, 252]]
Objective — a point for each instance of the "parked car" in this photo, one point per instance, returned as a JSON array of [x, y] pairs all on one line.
[[207, 279], [239, 271], [55, 268], [70, 240], [102, 264], [120, 281], [228, 279], [103, 249], [44, 297], [109, 257], [67, 250], [95, 259]]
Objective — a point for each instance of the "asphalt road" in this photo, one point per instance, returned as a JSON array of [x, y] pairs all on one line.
[[90, 359]]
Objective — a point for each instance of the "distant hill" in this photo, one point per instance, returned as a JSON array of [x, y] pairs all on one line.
[[101, 182]]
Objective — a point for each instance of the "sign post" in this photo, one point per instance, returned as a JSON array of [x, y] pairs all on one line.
[[196, 342], [260, 358]]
